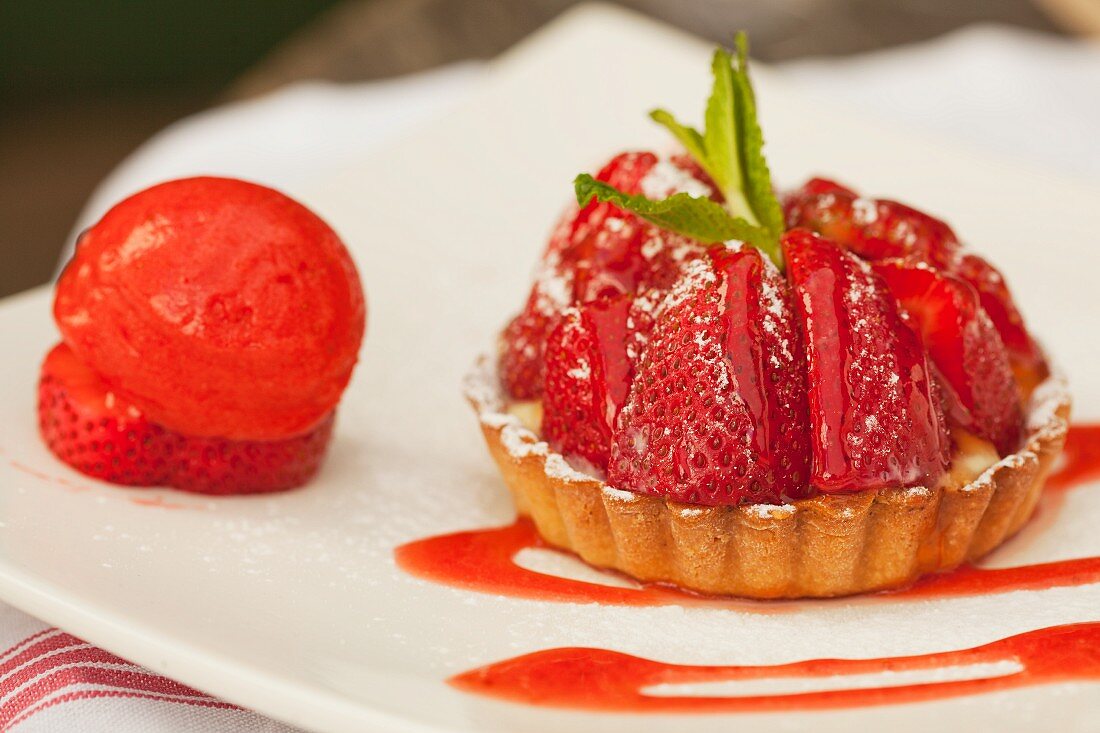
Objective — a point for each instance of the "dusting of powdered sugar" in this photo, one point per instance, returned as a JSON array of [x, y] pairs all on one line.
[[874, 374], [496, 419], [482, 387], [521, 442], [618, 494], [1047, 398], [653, 246], [1012, 461], [557, 467], [864, 211], [904, 231], [553, 285], [770, 511], [775, 312], [582, 371], [666, 178], [697, 274]]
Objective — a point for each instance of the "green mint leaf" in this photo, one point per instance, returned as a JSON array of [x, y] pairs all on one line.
[[756, 177], [721, 139], [699, 218], [689, 137], [731, 147]]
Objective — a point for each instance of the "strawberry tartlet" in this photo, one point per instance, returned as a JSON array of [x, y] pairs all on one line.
[[713, 387], [209, 328]]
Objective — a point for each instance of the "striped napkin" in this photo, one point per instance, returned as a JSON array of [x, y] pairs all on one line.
[[52, 681]]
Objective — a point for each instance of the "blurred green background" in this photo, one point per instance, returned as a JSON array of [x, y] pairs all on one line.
[[104, 46], [84, 82]]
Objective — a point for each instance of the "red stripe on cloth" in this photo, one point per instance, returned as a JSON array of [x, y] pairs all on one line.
[[38, 649], [92, 694], [50, 666], [8, 652], [43, 664]]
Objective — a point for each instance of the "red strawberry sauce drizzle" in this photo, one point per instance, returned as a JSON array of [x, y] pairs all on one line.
[[603, 680], [599, 679]]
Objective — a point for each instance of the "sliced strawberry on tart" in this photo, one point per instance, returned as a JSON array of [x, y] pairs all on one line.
[[879, 229], [709, 389]]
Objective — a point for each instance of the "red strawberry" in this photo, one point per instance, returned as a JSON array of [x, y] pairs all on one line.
[[520, 351], [816, 186], [880, 229], [93, 429], [965, 348], [98, 432], [219, 466], [596, 251], [587, 378], [717, 413], [998, 303], [565, 273], [597, 247], [874, 419], [873, 229]]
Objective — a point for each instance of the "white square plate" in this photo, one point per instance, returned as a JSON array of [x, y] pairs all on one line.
[[293, 605]]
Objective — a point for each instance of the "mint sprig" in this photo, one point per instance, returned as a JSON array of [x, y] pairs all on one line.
[[730, 150], [699, 218]]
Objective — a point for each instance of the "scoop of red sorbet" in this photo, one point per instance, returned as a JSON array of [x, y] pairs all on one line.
[[219, 307]]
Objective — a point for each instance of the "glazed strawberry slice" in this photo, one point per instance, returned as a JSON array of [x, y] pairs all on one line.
[[587, 378], [877, 229], [598, 246], [874, 419], [818, 186], [874, 229], [98, 432], [1027, 359], [716, 413], [595, 249], [964, 347], [521, 345], [599, 250]]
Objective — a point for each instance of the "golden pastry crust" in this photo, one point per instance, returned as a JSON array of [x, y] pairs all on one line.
[[830, 545]]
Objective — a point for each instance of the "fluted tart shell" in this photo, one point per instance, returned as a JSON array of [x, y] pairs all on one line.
[[828, 545]]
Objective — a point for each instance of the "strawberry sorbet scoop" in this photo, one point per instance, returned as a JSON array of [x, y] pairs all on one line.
[[218, 308]]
